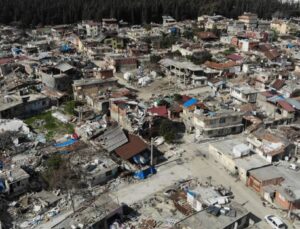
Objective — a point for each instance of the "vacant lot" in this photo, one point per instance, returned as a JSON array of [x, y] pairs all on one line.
[[45, 123]]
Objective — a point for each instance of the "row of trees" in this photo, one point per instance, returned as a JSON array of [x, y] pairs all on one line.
[[34, 12]]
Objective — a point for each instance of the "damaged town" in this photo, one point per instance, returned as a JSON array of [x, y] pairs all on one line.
[[174, 125]]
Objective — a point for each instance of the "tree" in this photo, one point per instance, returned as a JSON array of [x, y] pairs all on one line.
[[188, 34], [167, 130], [43, 12], [200, 58], [169, 137], [70, 107], [229, 51], [177, 97], [274, 35], [54, 162], [59, 174], [155, 59]]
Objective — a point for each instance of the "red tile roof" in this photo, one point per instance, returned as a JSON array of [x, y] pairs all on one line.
[[134, 146], [286, 106], [220, 66], [159, 111], [267, 94], [126, 61], [7, 60], [207, 35], [272, 54], [184, 98], [234, 57], [278, 84]]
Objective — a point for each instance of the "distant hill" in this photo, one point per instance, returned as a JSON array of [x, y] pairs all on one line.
[[33, 12]]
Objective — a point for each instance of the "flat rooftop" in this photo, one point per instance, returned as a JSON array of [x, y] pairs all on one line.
[[204, 219], [84, 82], [251, 162], [180, 64], [226, 146]]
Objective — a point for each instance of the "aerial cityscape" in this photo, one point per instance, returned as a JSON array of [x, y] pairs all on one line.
[[150, 119]]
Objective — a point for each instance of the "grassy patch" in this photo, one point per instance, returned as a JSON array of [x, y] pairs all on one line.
[[69, 107], [229, 51], [50, 126]]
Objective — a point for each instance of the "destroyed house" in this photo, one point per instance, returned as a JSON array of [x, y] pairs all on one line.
[[98, 170], [84, 88], [23, 106], [58, 77], [98, 214], [272, 146], [14, 182], [184, 72], [128, 114]]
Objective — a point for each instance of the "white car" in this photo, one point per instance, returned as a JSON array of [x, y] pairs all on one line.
[[275, 222]]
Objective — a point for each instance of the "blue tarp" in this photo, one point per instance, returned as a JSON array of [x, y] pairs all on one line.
[[143, 174], [140, 159], [275, 98], [65, 48], [67, 143], [1, 165], [63, 152], [2, 186], [190, 102], [16, 51]]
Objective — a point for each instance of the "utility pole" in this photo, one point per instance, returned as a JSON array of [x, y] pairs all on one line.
[[296, 148], [80, 114], [151, 160]]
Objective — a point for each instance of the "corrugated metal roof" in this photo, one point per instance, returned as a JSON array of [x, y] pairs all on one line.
[[113, 138], [64, 67], [294, 103], [275, 98], [286, 106]]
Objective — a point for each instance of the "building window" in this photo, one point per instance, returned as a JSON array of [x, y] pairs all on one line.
[[210, 132], [222, 120], [108, 173], [212, 122]]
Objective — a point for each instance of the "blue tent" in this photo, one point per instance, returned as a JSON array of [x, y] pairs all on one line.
[[143, 174], [190, 102], [1, 165]]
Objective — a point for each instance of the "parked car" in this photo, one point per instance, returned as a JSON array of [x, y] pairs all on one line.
[[275, 222], [294, 167]]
